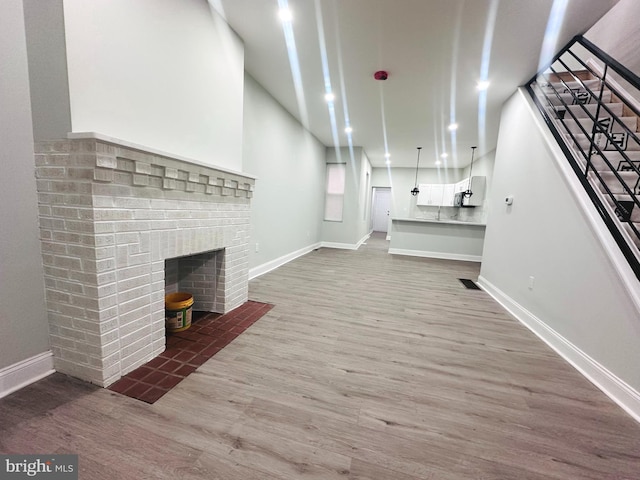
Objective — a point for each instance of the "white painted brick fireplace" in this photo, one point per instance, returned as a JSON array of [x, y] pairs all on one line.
[[111, 215]]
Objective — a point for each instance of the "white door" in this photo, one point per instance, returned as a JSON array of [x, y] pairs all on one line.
[[381, 209]]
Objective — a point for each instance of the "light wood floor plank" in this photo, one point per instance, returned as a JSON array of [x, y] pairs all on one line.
[[370, 366]]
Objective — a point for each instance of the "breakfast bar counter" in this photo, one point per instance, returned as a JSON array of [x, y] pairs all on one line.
[[445, 238]]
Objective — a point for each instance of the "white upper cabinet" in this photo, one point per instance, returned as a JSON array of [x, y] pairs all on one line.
[[441, 194], [462, 185], [447, 194], [478, 188], [430, 194]]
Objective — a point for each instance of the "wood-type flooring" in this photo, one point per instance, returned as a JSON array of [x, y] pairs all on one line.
[[370, 366]]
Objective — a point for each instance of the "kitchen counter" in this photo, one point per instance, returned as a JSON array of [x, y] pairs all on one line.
[[444, 220], [446, 238]]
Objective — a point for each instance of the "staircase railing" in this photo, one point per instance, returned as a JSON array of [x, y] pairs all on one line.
[[590, 103]]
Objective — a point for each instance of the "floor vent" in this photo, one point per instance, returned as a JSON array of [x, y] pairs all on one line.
[[470, 284]]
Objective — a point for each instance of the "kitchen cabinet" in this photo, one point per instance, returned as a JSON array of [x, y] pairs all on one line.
[[461, 186], [441, 194], [430, 194], [478, 187], [447, 194]]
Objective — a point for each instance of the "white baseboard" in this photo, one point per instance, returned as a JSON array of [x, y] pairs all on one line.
[[445, 256], [363, 239], [612, 386], [19, 375], [345, 246], [278, 262], [342, 246]]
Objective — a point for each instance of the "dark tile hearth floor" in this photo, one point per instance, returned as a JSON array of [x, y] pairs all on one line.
[[186, 351]]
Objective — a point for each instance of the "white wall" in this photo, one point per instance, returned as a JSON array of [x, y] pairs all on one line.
[[617, 34], [286, 210], [482, 166], [22, 316], [578, 299], [165, 74], [355, 224], [47, 54]]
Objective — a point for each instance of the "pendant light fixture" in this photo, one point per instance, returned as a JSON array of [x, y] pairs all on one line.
[[415, 190], [467, 193]]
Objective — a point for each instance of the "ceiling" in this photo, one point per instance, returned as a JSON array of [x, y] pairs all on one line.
[[432, 51]]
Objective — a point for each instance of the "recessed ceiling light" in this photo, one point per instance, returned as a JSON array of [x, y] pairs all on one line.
[[388, 162], [438, 162], [482, 85], [285, 15], [329, 97], [444, 155], [348, 130], [452, 127], [387, 155]]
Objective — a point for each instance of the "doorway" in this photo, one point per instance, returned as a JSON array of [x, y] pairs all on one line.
[[381, 209]]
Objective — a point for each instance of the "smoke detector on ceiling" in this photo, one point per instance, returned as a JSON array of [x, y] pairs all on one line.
[[381, 75]]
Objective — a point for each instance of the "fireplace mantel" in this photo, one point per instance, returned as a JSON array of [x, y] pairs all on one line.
[[111, 213]]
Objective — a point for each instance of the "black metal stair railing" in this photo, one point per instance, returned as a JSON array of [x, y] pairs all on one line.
[[591, 104]]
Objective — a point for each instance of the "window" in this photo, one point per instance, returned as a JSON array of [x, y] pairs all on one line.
[[334, 199]]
